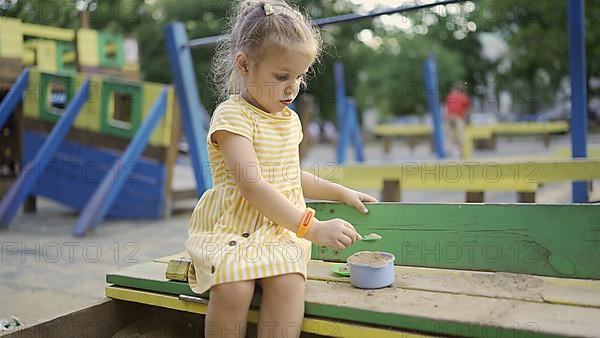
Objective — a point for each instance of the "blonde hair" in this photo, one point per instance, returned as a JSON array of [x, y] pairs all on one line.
[[254, 25]]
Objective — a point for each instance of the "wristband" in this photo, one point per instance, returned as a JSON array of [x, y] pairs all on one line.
[[306, 222]]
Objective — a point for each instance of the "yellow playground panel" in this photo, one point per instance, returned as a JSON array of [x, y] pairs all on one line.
[[53, 49]]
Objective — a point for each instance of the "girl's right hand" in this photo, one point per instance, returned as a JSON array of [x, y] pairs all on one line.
[[335, 233]]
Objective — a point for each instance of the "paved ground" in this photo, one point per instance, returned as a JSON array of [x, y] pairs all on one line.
[[46, 272]]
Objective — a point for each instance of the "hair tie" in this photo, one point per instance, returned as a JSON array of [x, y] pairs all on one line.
[[268, 9]]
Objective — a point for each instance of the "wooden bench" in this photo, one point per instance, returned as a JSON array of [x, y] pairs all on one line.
[[474, 177], [463, 270], [412, 132], [565, 152], [545, 129], [473, 133]]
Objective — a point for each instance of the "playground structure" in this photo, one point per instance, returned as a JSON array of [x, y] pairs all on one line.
[[55, 49], [99, 143]]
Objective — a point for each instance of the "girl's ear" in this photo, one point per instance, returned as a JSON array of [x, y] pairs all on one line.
[[242, 63]]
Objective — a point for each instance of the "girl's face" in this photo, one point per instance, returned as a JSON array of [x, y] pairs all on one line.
[[273, 83]]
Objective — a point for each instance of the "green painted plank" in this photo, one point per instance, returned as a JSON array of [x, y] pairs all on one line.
[[547, 240]]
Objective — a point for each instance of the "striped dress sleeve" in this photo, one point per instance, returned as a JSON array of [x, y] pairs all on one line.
[[233, 119]]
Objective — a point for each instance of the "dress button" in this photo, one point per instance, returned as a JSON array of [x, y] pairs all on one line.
[[232, 243], [245, 235], [212, 269]]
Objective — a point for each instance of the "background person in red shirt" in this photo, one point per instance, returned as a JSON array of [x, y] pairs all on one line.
[[457, 110]]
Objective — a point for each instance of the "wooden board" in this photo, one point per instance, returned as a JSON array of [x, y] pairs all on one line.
[[527, 128], [402, 130], [547, 240], [323, 327], [438, 312], [48, 32], [101, 319], [511, 128], [479, 132], [470, 175], [540, 289], [565, 152]]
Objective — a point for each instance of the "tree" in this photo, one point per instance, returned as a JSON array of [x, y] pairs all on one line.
[[537, 34]]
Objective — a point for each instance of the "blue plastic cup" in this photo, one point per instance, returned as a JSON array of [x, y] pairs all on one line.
[[370, 276]]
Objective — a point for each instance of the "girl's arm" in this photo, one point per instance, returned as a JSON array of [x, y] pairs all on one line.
[[320, 189], [238, 153]]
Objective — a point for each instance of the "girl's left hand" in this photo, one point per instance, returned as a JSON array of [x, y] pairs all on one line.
[[356, 198]]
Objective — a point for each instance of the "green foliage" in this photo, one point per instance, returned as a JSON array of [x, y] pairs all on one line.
[[537, 34], [391, 79], [385, 73]]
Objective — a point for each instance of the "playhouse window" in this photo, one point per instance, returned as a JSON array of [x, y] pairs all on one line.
[[111, 51], [57, 98], [122, 109]]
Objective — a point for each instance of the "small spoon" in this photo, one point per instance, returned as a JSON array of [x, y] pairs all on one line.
[[371, 237]]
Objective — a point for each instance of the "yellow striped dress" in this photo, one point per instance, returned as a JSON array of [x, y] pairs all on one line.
[[229, 240]]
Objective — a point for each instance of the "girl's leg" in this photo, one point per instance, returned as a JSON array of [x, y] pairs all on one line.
[[228, 309], [282, 306]]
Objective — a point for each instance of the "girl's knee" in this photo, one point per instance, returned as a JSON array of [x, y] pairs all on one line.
[[233, 294], [283, 285]]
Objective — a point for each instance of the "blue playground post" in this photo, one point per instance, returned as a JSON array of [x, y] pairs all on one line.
[[32, 171], [106, 193], [14, 95], [194, 117], [340, 99], [353, 128], [347, 117], [431, 85], [578, 91]]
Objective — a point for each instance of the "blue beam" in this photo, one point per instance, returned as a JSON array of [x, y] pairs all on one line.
[[14, 96], [32, 171], [433, 101], [578, 91], [340, 99], [354, 129], [195, 120], [115, 178]]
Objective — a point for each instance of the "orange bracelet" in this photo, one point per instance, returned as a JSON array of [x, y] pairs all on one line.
[[306, 222]]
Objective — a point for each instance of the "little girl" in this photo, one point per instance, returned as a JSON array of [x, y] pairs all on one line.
[[252, 227]]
